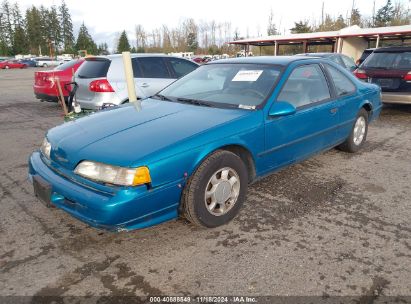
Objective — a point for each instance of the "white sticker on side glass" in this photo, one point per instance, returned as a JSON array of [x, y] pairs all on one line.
[[247, 75]]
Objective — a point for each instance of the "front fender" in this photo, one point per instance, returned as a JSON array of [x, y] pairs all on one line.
[[181, 166]]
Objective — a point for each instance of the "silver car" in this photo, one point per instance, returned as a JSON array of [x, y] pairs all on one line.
[[101, 79]]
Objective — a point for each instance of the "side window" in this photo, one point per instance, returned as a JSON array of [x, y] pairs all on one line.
[[136, 68], [342, 84], [306, 84], [153, 67], [181, 67], [349, 63]]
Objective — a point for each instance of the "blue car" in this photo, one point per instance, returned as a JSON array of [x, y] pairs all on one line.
[[192, 149], [28, 62]]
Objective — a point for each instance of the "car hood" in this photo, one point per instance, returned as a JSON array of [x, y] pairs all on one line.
[[127, 135]]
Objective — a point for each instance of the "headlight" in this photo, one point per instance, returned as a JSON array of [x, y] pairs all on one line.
[[113, 174], [45, 148]]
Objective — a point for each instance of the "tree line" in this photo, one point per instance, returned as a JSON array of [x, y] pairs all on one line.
[[41, 30], [46, 31], [387, 15]]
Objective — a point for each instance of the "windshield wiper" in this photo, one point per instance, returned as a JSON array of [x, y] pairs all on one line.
[[194, 102], [162, 97]]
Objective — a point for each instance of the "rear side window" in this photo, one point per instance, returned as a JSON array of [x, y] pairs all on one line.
[[342, 84], [136, 68], [181, 67], [94, 69], [349, 63], [153, 67], [396, 60], [306, 85]]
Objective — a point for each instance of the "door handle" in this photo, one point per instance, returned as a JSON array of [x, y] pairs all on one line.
[[334, 110], [145, 85]]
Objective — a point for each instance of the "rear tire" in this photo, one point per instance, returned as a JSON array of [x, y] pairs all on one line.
[[216, 191], [358, 134]]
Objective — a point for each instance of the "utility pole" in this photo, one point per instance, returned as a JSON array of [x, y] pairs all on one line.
[[373, 14], [322, 14]]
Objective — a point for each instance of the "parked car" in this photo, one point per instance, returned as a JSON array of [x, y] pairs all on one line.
[[28, 62], [390, 68], [46, 62], [341, 59], [101, 79], [45, 86], [364, 55], [12, 64], [193, 148]]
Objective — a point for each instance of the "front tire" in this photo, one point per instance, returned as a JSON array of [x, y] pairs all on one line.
[[7, 67], [358, 133], [216, 191]]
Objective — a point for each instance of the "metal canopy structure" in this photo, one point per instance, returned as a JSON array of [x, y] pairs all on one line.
[[333, 38]]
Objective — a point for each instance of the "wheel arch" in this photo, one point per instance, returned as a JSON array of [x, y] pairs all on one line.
[[241, 151], [245, 156], [367, 106]]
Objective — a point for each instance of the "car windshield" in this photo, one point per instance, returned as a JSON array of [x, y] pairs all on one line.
[[387, 60], [235, 85]]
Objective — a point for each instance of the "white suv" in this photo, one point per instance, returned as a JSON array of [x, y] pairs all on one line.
[[101, 79]]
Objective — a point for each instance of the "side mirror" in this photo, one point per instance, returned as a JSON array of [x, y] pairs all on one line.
[[281, 108]]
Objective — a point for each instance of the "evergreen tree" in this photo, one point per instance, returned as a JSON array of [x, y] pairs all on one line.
[[339, 23], [19, 41], [7, 32], [66, 27], [355, 18], [34, 31], [103, 49], [123, 44], [44, 31], [384, 15], [271, 28], [53, 26], [301, 27], [192, 42], [4, 49], [84, 41]]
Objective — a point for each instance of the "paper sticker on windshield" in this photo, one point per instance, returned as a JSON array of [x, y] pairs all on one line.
[[247, 75]]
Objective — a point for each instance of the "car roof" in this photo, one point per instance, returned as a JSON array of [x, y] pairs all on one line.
[[275, 60], [133, 55], [323, 54], [393, 49]]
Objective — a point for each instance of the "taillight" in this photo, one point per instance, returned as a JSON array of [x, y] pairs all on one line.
[[407, 77], [361, 74], [100, 86]]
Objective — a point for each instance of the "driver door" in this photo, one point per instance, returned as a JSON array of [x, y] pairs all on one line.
[[314, 125]]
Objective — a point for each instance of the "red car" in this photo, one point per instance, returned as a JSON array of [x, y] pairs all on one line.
[[12, 64], [45, 85]]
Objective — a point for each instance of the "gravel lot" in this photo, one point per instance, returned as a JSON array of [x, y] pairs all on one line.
[[337, 224]]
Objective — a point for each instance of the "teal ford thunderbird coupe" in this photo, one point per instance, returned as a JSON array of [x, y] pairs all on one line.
[[192, 149]]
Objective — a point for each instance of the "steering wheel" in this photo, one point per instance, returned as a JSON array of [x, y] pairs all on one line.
[[254, 92]]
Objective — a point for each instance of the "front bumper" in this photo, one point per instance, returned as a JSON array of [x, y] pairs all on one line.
[[124, 208]]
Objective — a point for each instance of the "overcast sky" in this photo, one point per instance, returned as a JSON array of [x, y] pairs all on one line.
[[105, 19]]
